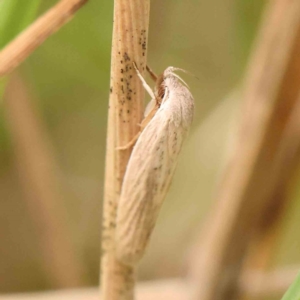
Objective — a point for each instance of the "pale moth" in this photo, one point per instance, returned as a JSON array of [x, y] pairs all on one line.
[[152, 163]]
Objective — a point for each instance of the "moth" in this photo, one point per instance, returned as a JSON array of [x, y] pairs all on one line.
[[152, 163]]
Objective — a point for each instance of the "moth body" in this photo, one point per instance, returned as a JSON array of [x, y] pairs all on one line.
[[151, 167]]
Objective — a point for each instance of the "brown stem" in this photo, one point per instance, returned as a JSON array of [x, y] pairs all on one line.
[[268, 228], [38, 174], [130, 33], [33, 36], [270, 95]]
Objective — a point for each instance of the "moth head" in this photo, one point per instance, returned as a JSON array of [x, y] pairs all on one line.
[[162, 85], [170, 72]]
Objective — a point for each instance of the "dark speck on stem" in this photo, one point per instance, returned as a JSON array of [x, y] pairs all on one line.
[[126, 56]]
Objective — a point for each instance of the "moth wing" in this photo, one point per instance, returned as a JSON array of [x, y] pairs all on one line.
[[146, 182]]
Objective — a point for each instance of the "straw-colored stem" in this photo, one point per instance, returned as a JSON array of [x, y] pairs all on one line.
[[129, 44], [33, 36], [39, 178], [269, 227], [270, 94]]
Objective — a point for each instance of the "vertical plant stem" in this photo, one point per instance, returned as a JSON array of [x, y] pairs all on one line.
[[271, 92], [268, 228], [130, 34], [38, 174]]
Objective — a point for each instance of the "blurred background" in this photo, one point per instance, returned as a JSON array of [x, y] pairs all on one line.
[[53, 146]]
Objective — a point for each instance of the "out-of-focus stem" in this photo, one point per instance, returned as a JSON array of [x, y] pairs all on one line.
[[270, 94], [39, 175], [268, 229]]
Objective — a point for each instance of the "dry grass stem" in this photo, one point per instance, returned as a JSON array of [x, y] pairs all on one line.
[[130, 33], [270, 94], [268, 229], [32, 37], [39, 175]]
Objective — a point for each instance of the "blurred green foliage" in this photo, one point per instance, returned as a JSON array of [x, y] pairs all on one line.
[[248, 18], [293, 292], [15, 15], [68, 78]]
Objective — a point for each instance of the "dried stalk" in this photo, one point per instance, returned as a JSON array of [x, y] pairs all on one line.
[[38, 174], [130, 33], [32, 37], [286, 165], [270, 95]]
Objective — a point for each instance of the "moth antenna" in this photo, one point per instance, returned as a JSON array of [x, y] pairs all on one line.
[[186, 72], [177, 76]]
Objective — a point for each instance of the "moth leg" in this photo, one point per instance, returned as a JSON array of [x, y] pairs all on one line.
[[142, 125], [152, 112], [131, 143], [152, 74], [145, 85]]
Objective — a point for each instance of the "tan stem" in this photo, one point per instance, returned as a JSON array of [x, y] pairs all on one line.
[[270, 94], [268, 229], [33, 36], [38, 174], [130, 40]]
